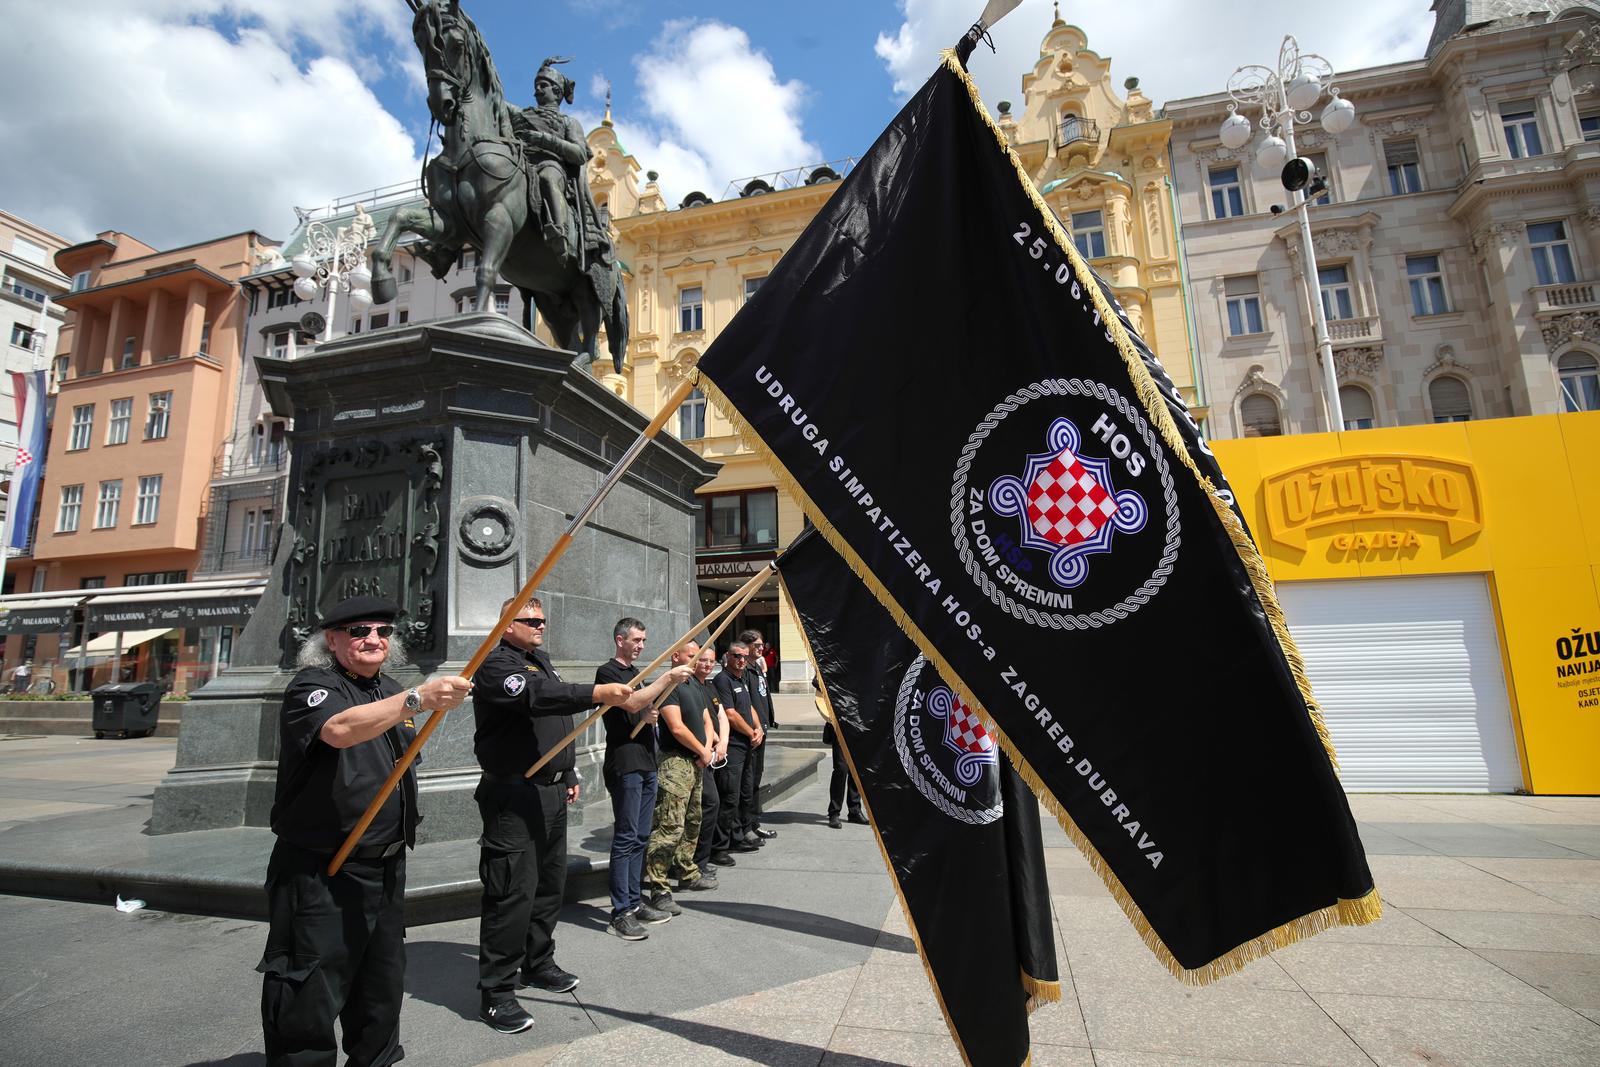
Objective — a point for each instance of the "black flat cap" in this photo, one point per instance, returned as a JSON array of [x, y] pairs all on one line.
[[361, 609]]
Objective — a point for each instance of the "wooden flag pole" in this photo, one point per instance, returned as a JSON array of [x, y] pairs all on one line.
[[730, 606], [492, 639], [738, 600]]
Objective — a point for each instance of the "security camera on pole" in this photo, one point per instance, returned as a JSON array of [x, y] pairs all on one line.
[[1285, 97], [336, 260]]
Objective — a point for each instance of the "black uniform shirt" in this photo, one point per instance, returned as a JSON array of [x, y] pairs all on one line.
[[513, 690], [624, 753], [755, 680], [693, 699], [735, 696], [322, 791]]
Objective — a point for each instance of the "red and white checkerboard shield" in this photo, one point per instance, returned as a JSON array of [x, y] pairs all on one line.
[[1067, 505], [963, 730]]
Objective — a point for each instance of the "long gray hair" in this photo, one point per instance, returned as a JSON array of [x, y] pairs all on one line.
[[314, 652]]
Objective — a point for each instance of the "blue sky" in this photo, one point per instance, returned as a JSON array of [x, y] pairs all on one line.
[[181, 120]]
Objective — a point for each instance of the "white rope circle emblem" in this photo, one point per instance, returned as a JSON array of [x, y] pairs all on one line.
[[958, 505], [902, 706]]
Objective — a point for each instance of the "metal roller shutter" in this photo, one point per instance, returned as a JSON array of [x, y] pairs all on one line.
[[1409, 676]]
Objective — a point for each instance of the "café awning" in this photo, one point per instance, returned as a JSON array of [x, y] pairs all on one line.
[[39, 615], [105, 646], [129, 609]]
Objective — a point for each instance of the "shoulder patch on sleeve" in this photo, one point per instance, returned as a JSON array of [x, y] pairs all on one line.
[[315, 697], [514, 683]]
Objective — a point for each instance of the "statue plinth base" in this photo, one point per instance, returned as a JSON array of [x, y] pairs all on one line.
[[435, 465]]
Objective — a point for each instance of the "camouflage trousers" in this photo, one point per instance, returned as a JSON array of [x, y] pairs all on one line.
[[676, 830]]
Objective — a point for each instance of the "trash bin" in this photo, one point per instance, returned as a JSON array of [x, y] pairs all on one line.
[[128, 709]]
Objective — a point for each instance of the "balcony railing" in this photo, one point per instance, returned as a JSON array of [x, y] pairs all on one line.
[[1569, 297], [248, 466], [1354, 331], [259, 559], [1074, 129]]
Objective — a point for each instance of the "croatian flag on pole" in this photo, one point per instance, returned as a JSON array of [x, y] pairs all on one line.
[[29, 388]]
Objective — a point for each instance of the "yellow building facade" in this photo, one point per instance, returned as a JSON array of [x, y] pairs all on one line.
[[1443, 582], [1099, 158]]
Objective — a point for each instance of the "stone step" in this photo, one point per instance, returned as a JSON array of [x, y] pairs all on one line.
[[83, 727], [806, 735]]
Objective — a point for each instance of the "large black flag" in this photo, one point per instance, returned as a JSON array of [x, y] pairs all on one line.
[[958, 828], [935, 375]]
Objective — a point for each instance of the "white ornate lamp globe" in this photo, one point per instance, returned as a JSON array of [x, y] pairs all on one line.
[[1303, 91], [360, 278], [1235, 132], [304, 266], [306, 289], [360, 300], [1271, 154], [1338, 116]]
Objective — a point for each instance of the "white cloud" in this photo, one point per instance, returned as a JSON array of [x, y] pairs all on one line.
[[1176, 48], [718, 109], [167, 129]]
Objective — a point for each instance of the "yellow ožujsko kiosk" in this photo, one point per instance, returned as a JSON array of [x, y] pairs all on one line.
[[1443, 582]]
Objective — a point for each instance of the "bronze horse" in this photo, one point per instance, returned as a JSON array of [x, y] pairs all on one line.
[[477, 193]]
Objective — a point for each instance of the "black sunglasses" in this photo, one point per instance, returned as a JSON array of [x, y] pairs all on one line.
[[530, 621], [362, 631]]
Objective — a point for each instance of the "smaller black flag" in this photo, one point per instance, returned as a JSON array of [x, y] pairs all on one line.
[[958, 827]]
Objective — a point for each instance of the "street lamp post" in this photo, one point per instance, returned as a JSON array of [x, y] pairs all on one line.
[[1285, 97], [336, 261]]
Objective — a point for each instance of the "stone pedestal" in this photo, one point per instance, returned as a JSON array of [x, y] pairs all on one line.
[[435, 465]]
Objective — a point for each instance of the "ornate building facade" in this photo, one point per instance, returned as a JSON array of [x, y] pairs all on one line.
[[1458, 245]]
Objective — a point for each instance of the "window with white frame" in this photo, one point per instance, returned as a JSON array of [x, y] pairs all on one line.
[[691, 309], [1552, 253], [130, 353], [1319, 165], [692, 417], [402, 316], [71, 508], [466, 302], [404, 272], [155, 427], [31, 251], [1450, 399], [1089, 233], [1521, 128], [105, 515], [247, 544], [1259, 414], [63, 366], [1579, 373], [469, 259], [1227, 195], [22, 335], [1337, 301], [26, 292], [147, 507], [80, 281], [1590, 125], [205, 339], [1356, 403], [1243, 296], [502, 302], [282, 298], [82, 427], [264, 535], [1427, 285], [121, 421], [278, 343], [1405, 174], [753, 286]]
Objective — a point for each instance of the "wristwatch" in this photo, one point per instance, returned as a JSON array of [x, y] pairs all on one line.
[[414, 701]]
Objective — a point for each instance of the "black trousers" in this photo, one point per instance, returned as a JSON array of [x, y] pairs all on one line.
[[731, 815], [839, 784], [758, 758], [709, 830], [335, 949], [522, 862]]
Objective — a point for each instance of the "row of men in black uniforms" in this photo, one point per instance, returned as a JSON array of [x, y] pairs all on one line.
[[335, 945]]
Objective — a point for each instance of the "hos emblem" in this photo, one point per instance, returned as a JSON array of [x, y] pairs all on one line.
[[944, 748], [315, 697], [1079, 534], [514, 683]]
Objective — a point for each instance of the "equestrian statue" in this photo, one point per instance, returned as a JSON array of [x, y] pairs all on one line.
[[511, 183]]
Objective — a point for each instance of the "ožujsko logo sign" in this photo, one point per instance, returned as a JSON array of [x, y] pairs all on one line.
[[1302, 500], [1063, 508]]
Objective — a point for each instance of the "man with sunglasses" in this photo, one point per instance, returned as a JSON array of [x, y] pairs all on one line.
[[335, 943], [736, 780], [522, 709]]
